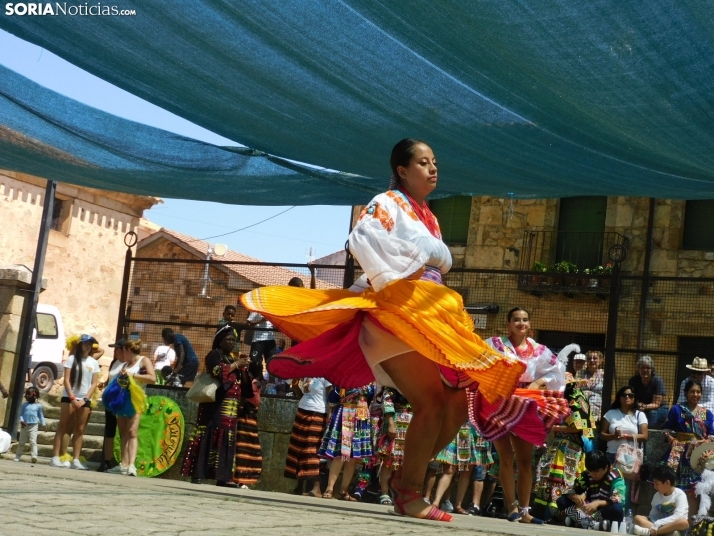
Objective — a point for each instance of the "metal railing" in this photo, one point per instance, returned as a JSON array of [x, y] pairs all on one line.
[[583, 250]]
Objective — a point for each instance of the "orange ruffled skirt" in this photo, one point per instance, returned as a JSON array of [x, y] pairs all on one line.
[[428, 317]]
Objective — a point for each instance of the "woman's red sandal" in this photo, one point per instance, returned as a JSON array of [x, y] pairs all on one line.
[[434, 514]]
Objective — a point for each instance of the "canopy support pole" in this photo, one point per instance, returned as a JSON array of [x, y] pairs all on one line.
[[18, 384], [645, 291]]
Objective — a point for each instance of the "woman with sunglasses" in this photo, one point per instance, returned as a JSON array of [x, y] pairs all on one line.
[[623, 424]]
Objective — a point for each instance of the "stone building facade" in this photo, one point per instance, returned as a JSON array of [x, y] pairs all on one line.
[[85, 254]]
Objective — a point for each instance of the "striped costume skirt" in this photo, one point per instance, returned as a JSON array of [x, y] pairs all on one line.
[[347, 436], [249, 456], [302, 460], [528, 414]]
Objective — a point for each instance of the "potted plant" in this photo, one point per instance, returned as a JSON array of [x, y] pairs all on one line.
[[591, 281], [539, 267], [607, 270]]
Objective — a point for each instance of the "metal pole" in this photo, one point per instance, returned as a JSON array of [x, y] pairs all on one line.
[[611, 338], [130, 240], [18, 385], [644, 292], [349, 277]]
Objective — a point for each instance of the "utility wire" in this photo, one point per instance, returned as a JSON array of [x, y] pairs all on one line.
[[247, 227]]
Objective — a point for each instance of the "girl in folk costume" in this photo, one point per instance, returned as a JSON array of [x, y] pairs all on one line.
[[564, 456], [467, 450], [348, 439], [518, 423], [398, 324], [389, 444], [211, 450]]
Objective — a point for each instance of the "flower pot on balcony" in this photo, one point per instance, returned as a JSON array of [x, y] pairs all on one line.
[[593, 282]]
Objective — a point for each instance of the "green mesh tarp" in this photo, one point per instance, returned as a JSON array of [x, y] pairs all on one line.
[[538, 99], [49, 135]]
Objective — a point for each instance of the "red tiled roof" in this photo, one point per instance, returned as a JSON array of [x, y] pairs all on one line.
[[263, 275]]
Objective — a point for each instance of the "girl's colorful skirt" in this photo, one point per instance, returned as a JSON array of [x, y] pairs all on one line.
[[412, 315], [348, 435], [391, 450], [555, 472], [528, 414], [249, 456], [468, 448]]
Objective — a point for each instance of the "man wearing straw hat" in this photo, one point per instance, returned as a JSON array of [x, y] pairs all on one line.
[[699, 368]]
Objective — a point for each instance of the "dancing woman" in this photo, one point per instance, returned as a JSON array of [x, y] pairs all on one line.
[[515, 425], [398, 323]]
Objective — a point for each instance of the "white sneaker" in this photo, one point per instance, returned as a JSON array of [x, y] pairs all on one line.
[[76, 464], [55, 462], [131, 471], [17, 459], [642, 531], [118, 470], [67, 464]]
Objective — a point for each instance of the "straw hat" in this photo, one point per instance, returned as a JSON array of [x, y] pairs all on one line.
[[699, 364], [703, 457]]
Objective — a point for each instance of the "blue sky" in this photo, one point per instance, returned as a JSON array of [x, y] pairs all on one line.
[[285, 238]]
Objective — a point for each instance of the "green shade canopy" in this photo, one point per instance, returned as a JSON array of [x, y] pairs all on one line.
[[537, 99]]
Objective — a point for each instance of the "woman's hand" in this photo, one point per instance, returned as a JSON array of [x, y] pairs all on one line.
[[538, 384], [77, 403], [243, 360], [391, 430]]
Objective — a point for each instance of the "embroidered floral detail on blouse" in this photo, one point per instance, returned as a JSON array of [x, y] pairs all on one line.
[[403, 204], [375, 210]]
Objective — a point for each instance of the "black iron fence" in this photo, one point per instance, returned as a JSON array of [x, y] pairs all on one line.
[[604, 313], [568, 252]]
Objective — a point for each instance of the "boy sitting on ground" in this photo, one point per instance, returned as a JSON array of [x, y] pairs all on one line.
[[669, 507], [597, 496]]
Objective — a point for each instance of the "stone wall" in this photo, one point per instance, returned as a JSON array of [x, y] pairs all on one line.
[[85, 261], [275, 422]]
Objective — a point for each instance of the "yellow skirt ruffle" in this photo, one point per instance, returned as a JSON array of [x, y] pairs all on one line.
[[430, 318]]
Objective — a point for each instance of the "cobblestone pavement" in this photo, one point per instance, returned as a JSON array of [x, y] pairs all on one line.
[[40, 500]]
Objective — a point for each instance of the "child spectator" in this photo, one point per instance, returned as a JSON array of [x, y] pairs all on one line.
[[229, 314], [31, 416], [597, 495], [669, 506]]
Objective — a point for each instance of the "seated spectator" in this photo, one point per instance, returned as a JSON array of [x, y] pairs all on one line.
[[669, 507], [597, 495], [699, 369], [649, 392], [186, 365], [164, 356]]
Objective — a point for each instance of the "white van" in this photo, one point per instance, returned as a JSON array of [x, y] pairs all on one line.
[[47, 352]]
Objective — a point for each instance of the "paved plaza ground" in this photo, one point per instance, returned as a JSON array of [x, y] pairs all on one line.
[[40, 500]]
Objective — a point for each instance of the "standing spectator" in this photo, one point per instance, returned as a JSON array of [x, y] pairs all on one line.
[[699, 368], [186, 365], [302, 462], [110, 420], [396, 416], [263, 344], [650, 392], [229, 314], [79, 386], [622, 424], [579, 361], [31, 416], [594, 375], [164, 356], [348, 439], [140, 369], [211, 449], [296, 282]]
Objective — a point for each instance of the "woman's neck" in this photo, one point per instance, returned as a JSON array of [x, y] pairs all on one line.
[[627, 410], [518, 340], [691, 406], [646, 381], [416, 197]]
